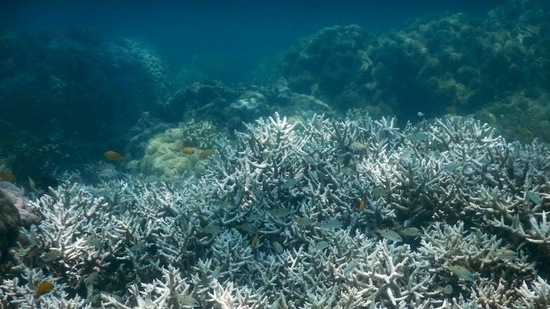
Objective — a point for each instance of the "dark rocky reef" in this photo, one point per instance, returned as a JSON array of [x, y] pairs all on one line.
[[14, 212], [9, 223], [453, 64], [66, 97], [230, 107]]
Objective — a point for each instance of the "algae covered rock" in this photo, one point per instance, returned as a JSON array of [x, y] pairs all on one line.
[[455, 64], [328, 63], [17, 197], [9, 222]]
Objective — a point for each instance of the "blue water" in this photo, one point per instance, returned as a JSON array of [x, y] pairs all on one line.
[[224, 40], [70, 89]]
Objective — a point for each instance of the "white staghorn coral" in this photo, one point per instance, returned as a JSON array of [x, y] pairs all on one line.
[[321, 213], [172, 291]]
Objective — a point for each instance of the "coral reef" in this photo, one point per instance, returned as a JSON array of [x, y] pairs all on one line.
[[454, 63], [205, 101], [66, 95], [328, 64], [9, 223], [165, 156], [231, 210], [323, 213], [14, 195], [14, 213], [520, 117], [232, 106]]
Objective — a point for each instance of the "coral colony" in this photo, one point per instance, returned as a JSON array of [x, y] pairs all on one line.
[[304, 213], [316, 210]]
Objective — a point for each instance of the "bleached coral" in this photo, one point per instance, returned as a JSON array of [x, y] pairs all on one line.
[[22, 292], [322, 213], [170, 292]]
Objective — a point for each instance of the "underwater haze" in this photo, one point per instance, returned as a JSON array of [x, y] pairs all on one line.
[[80, 78], [224, 40]]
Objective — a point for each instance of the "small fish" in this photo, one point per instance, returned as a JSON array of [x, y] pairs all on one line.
[[410, 232], [277, 246], [323, 244], [311, 160], [32, 184], [94, 242], [357, 146], [534, 197], [107, 172], [44, 287], [304, 221], [188, 150], [362, 205], [211, 229], [389, 234], [246, 227], [447, 290], [186, 300], [206, 153], [254, 217], [418, 137], [507, 254], [279, 212], [330, 224], [111, 155], [347, 170], [51, 256], [451, 166], [289, 184], [349, 267], [256, 240], [378, 192], [138, 247], [461, 272], [7, 176]]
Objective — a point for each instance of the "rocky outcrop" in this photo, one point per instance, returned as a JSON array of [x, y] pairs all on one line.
[[14, 212], [9, 222]]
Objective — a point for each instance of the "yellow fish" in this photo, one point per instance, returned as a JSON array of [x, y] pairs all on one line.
[[256, 239], [7, 176], [188, 150], [32, 184], [358, 146], [112, 155], [206, 153], [362, 204], [44, 287]]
